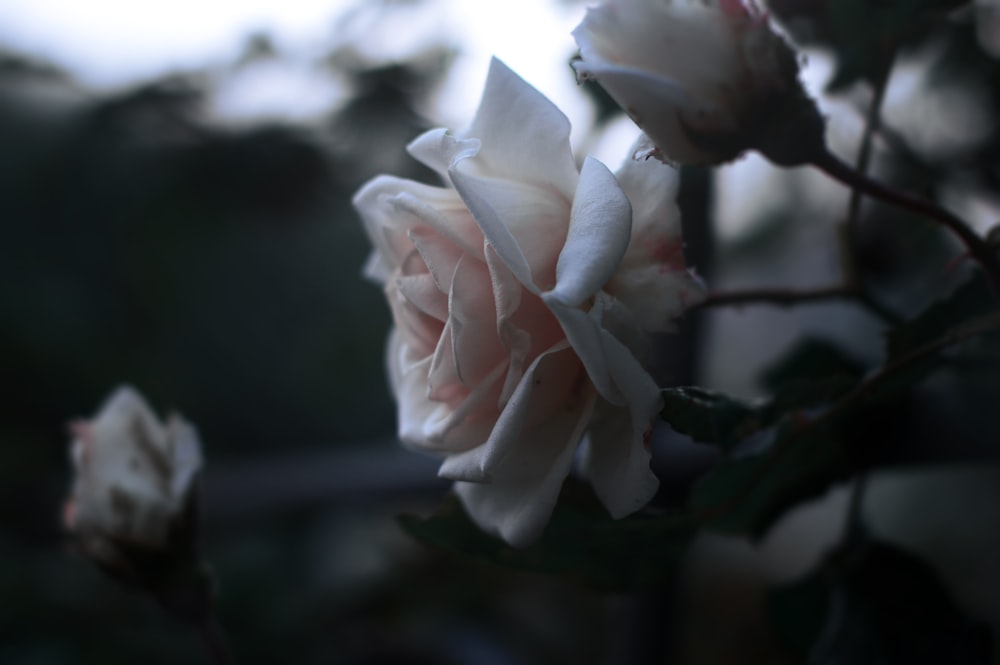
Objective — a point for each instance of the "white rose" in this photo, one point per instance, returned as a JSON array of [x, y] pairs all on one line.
[[705, 79], [133, 475], [518, 293]]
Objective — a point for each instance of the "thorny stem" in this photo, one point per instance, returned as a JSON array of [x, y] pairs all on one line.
[[977, 247], [861, 393], [791, 297]]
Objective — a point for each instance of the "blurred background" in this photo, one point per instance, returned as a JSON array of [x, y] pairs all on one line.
[[175, 183]]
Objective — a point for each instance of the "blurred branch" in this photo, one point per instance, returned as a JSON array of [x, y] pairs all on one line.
[[977, 247], [872, 123], [792, 297], [777, 297]]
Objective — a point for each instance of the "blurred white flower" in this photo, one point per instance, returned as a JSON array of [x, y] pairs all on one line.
[[520, 293], [134, 476], [706, 79]]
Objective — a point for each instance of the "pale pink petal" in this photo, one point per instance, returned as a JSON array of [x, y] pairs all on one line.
[[423, 293], [515, 120], [439, 148], [528, 457], [616, 459], [612, 367], [525, 224], [440, 255], [655, 103], [473, 322], [433, 426], [599, 232]]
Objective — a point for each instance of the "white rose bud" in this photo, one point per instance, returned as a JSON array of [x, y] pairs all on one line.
[[706, 79], [134, 479]]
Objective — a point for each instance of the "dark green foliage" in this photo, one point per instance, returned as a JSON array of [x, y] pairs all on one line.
[[709, 417], [871, 603], [745, 496], [581, 542]]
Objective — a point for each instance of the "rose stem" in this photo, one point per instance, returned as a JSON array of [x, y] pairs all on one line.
[[978, 248]]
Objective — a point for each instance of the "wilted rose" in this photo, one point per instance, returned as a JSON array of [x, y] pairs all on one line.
[[706, 79], [133, 477], [520, 293]]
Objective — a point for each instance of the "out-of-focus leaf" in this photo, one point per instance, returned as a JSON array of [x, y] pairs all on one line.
[[971, 300], [581, 542], [747, 495], [887, 607], [799, 611], [861, 33], [709, 417], [814, 372]]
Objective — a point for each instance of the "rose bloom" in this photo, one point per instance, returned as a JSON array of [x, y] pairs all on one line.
[[705, 79], [520, 292], [133, 476]]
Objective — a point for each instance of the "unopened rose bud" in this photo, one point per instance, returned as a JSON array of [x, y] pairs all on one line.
[[131, 506], [707, 80]]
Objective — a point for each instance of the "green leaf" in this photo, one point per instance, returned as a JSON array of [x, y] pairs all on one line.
[[814, 372], [889, 608], [709, 417], [971, 300], [747, 495], [581, 542]]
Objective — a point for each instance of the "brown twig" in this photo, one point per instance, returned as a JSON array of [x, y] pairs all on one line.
[[977, 247]]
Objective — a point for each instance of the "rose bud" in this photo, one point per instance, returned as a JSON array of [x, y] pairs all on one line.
[[131, 507], [521, 290], [707, 80]]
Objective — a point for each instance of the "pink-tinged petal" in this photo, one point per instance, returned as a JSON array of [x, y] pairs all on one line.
[[651, 186], [550, 387], [420, 330], [421, 292], [432, 426], [653, 280], [528, 459], [687, 42], [440, 255], [389, 207], [473, 322], [612, 367], [599, 233], [525, 224], [515, 120], [516, 341], [443, 382], [655, 103], [454, 222], [615, 461], [439, 148], [486, 211], [657, 294]]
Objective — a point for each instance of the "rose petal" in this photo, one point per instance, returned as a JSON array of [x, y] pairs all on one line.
[[515, 120], [529, 453], [615, 461], [599, 232], [655, 103], [472, 318]]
